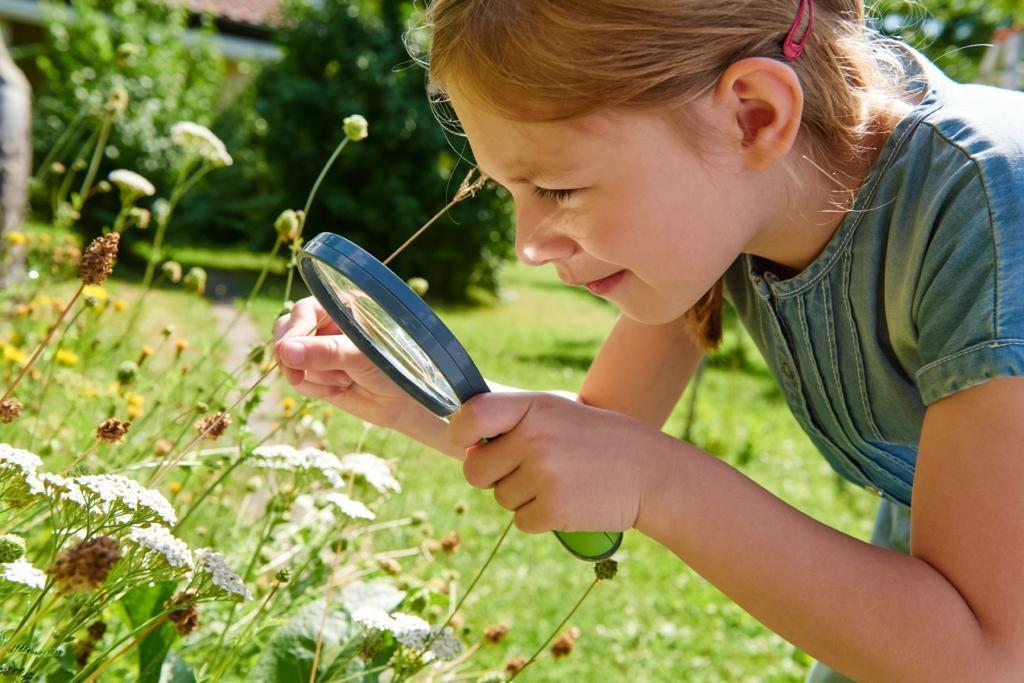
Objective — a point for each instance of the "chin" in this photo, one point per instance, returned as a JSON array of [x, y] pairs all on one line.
[[650, 313]]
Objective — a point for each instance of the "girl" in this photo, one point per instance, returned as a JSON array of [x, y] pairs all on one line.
[[865, 217]]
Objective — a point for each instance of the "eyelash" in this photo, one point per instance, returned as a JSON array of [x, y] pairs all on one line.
[[556, 195]]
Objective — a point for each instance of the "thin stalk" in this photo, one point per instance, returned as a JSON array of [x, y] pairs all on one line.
[[309, 203], [97, 156], [558, 628], [327, 610], [25, 625], [135, 641], [49, 376], [42, 344], [232, 653], [58, 146]]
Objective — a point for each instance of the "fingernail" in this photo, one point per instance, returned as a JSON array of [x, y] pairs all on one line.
[[293, 353]]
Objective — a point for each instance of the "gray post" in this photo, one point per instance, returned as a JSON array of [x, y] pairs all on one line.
[[15, 162]]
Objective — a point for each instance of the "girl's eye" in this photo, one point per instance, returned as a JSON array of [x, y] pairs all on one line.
[[556, 195]]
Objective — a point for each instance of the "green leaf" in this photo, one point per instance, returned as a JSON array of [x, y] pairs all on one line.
[[175, 670], [140, 605], [288, 657]]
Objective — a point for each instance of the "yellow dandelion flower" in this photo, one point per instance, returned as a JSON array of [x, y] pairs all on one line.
[[96, 292], [65, 357], [180, 345], [136, 400], [120, 305], [304, 412], [174, 487], [133, 412], [14, 355], [17, 238], [90, 392]]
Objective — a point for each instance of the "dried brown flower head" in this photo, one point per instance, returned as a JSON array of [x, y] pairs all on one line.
[[98, 260], [97, 629], [212, 427], [112, 430], [450, 542], [10, 410], [83, 651], [515, 665], [495, 632], [564, 643], [186, 619], [85, 566], [163, 446]]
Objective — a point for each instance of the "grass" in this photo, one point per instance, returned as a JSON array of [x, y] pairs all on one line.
[[658, 620]]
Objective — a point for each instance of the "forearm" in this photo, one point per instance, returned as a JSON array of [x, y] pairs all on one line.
[[641, 370], [873, 614]]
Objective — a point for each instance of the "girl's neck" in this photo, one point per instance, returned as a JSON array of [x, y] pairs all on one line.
[[806, 219]]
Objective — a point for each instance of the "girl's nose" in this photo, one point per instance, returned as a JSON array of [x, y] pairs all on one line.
[[539, 241]]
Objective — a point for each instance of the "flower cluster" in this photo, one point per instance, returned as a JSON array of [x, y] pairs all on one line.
[[201, 141], [411, 631], [23, 573], [304, 460], [113, 492], [349, 507], [158, 540], [374, 470], [131, 184], [212, 564], [85, 566], [98, 259]]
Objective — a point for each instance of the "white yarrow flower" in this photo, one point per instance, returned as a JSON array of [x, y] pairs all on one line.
[[24, 573], [372, 618], [201, 141], [159, 540], [131, 184], [18, 460], [349, 507], [376, 471], [62, 489], [222, 576], [410, 629], [114, 489], [284, 457], [446, 645]]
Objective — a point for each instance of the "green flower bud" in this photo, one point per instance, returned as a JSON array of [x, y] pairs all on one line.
[[418, 285], [195, 280], [117, 100], [127, 371], [171, 271], [58, 168], [355, 127], [283, 576], [419, 517], [11, 548], [288, 225]]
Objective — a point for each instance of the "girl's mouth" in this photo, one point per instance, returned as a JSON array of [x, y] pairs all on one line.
[[606, 284]]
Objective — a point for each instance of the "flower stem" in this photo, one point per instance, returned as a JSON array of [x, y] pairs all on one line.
[[135, 641], [327, 610], [42, 344], [309, 203], [558, 628], [97, 156]]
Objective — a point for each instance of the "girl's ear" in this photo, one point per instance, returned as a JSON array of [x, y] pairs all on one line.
[[765, 100]]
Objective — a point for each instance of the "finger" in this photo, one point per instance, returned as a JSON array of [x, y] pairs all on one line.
[[306, 318], [485, 465], [329, 377], [293, 377], [532, 518], [486, 416], [514, 490], [320, 391], [330, 352]]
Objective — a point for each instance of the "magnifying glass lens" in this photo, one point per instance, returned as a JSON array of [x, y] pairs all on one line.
[[387, 336]]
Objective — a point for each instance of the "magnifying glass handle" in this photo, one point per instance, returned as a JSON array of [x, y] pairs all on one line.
[[591, 546]]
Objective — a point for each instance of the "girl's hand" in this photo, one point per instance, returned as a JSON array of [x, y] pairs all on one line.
[[559, 464], [325, 364]]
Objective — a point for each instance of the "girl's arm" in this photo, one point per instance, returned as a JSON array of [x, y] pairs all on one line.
[[641, 370], [953, 610]]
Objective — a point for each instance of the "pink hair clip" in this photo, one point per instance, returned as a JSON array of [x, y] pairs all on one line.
[[792, 47]]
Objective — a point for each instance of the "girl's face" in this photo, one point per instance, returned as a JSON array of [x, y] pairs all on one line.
[[618, 202]]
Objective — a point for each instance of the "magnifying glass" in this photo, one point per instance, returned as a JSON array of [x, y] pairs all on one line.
[[396, 330]]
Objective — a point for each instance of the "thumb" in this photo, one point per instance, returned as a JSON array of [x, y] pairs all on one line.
[[486, 416]]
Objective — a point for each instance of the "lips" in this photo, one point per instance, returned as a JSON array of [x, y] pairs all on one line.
[[606, 284]]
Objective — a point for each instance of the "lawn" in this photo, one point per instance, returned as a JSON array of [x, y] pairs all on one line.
[[658, 620]]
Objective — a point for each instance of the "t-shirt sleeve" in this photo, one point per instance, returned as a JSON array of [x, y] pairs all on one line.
[[969, 299]]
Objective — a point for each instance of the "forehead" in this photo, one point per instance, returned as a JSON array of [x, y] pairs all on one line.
[[524, 151]]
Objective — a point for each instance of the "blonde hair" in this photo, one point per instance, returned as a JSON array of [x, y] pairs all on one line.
[[561, 59]]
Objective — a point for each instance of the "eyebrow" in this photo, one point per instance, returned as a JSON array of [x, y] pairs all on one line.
[[526, 174]]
